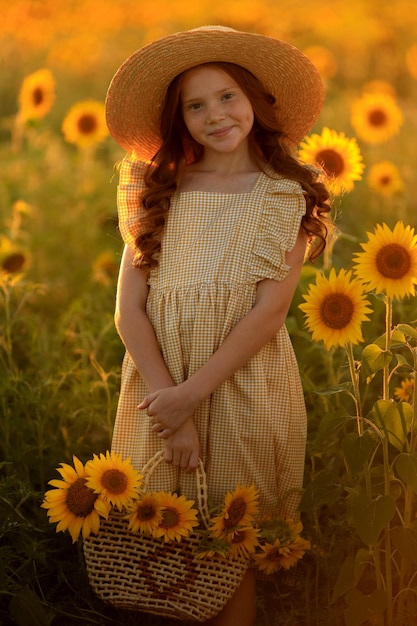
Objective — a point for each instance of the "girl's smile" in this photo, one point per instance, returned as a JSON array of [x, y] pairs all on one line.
[[216, 111]]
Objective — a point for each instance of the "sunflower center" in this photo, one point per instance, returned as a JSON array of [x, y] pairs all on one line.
[[393, 261], [377, 117], [145, 512], [87, 124], [37, 96], [239, 537], [170, 518], [273, 555], [235, 512], [13, 262], [336, 310], [385, 180], [331, 161], [80, 498], [114, 481]]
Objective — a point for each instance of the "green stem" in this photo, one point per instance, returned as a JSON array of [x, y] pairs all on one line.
[[355, 384], [387, 482], [388, 325]]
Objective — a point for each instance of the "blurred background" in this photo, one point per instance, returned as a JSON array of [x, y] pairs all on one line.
[[60, 249]]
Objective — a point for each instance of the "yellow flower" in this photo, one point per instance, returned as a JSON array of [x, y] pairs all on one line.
[[376, 117], [411, 60], [293, 551], [269, 559], [73, 504], [338, 155], [85, 124], [239, 508], [244, 541], [114, 479], [14, 259], [145, 514], [405, 392], [105, 268], [335, 308], [37, 95], [178, 517], [389, 261], [323, 59], [385, 178]]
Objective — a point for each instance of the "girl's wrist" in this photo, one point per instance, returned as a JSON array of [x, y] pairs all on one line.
[[193, 393]]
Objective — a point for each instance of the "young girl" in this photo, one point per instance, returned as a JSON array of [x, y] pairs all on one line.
[[216, 214]]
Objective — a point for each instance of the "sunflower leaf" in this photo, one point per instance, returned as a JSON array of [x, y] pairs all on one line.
[[371, 516], [406, 466], [404, 540], [408, 330], [374, 359], [357, 450], [394, 419]]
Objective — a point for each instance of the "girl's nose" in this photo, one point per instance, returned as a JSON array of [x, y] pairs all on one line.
[[215, 113]]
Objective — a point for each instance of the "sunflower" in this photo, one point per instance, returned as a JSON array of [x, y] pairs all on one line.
[[385, 178], [114, 479], [324, 60], [178, 517], [376, 117], [293, 552], [269, 559], [105, 268], [244, 541], [37, 95], [405, 392], [338, 155], [85, 124], [335, 308], [239, 508], [388, 263], [145, 515], [14, 259], [411, 60], [73, 504]]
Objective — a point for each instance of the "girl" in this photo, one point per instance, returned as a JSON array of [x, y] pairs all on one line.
[[216, 214]]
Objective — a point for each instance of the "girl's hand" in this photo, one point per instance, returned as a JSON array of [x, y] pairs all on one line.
[[169, 409], [182, 449]]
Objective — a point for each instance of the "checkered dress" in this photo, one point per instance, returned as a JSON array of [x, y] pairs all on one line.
[[215, 249]]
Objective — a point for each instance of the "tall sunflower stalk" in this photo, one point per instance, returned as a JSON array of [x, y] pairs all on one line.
[[386, 442]]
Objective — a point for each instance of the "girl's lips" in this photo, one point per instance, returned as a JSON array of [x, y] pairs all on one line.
[[221, 132]]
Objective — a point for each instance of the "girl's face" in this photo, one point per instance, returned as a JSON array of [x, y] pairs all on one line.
[[217, 113]]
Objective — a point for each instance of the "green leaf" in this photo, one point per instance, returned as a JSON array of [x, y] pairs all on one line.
[[405, 541], [394, 419], [374, 359], [361, 608], [408, 330], [406, 466], [357, 449], [26, 608], [371, 516], [324, 489], [330, 424], [345, 580], [331, 391]]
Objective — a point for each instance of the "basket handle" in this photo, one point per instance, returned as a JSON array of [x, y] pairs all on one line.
[[201, 483]]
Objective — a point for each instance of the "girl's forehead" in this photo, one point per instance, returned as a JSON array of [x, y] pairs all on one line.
[[205, 76]]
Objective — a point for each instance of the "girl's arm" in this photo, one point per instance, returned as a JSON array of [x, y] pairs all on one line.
[[138, 336], [171, 407]]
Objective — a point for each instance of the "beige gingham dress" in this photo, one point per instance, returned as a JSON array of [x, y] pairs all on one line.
[[215, 249]]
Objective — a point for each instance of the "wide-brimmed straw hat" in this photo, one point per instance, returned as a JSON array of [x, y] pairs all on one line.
[[137, 91]]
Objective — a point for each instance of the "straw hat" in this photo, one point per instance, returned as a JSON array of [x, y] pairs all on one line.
[[136, 93]]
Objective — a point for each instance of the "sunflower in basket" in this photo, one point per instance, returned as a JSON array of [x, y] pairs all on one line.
[[281, 545], [87, 492]]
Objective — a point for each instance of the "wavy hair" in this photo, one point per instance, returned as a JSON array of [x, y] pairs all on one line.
[[267, 143]]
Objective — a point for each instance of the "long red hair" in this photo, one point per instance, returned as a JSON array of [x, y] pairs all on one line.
[[267, 143]]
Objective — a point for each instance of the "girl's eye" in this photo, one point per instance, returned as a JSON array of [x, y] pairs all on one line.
[[228, 96], [194, 106]]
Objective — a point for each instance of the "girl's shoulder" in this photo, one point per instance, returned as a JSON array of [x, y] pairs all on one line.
[[131, 171]]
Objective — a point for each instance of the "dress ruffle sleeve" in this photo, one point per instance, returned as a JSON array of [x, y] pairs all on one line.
[[278, 228], [129, 191]]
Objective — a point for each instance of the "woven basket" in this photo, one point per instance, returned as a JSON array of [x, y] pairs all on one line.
[[136, 572]]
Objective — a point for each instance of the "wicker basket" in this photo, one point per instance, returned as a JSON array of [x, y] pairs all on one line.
[[136, 572]]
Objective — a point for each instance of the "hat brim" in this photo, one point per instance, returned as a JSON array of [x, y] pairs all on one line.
[[137, 91]]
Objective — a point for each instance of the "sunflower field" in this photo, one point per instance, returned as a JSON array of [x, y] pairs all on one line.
[[352, 558]]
